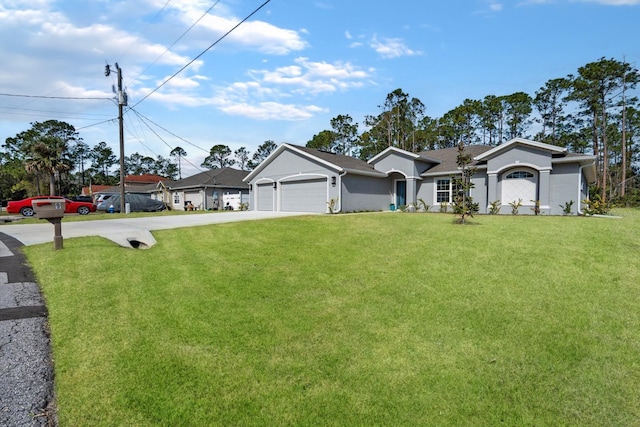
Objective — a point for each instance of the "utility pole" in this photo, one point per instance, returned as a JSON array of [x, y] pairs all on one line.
[[624, 130], [122, 101]]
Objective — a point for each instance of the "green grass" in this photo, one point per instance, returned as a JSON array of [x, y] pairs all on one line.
[[370, 319]]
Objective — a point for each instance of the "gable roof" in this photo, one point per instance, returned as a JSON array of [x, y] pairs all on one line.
[[338, 162], [554, 149], [391, 150], [448, 158], [223, 177]]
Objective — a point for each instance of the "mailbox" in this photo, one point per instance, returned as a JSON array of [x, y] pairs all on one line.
[[48, 208]]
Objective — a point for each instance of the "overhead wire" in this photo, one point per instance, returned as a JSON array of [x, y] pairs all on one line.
[[145, 28], [169, 132], [202, 53], [144, 120], [177, 40]]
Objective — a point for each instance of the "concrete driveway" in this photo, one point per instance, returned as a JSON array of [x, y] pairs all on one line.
[[131, 232]]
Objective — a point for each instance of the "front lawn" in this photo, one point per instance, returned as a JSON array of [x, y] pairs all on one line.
[[369, 319]]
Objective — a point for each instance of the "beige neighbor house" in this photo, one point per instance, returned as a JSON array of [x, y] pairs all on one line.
[[209, 190]]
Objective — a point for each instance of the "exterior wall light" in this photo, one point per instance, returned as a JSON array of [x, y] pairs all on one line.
[[333, 181], [275, 185]]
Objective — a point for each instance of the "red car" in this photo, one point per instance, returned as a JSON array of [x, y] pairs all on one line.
[[25, 208]]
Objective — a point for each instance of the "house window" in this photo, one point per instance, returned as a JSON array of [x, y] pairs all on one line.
[[519, 175], [176, 198], [443, 190]]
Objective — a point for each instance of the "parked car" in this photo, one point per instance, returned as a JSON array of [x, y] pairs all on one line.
[[25, 208], [82, 198], [103, 197], [137, 203]]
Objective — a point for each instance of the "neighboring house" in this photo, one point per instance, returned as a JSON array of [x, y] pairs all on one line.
[[149, 185], [295, 178], [206, 190]]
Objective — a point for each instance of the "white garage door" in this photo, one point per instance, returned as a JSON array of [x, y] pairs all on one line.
[[519, 185], [265, 197], [305, 196]]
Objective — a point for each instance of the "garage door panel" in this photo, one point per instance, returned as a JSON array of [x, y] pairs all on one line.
[[305, 196], [515, 189], [265, 197]]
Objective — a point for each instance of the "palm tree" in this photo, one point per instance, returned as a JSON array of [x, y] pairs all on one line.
[[48, 156]]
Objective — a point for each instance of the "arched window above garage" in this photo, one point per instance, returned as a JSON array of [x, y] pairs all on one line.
[[519, 175]]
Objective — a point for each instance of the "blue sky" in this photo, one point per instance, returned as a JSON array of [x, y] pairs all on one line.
[[289, 69]]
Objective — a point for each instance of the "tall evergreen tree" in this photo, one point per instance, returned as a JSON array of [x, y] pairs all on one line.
[[179, 153]]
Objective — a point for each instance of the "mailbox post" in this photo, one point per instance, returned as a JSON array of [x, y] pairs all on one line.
[[53, 211]]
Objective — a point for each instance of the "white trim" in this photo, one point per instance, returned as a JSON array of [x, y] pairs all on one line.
[[387, 151], [435, 189], [518, 166], [282, 148], [303, 177], [521, 141], [394, 170]]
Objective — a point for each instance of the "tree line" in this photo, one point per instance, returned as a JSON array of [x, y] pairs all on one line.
[[591, 111], [587, 112], [52, 158]]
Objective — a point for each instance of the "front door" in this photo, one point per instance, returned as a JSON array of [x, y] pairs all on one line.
[[401, 193]]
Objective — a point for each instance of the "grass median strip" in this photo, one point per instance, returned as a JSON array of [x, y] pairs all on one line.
[[372, 319]]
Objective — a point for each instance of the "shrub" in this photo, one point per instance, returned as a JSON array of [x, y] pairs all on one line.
[[425, 206], [567, 208], [331, 204], [536, 207], [515, 206], [494, 207], [596, 206]]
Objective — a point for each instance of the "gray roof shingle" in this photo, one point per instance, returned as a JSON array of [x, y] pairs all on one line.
[[223, 177], [340, 160], [448, 157]]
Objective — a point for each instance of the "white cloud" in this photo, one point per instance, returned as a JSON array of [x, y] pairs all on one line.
[[392, 48], [272, 111], [251, 34]]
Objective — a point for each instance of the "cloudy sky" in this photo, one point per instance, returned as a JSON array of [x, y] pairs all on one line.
[[241, 72]]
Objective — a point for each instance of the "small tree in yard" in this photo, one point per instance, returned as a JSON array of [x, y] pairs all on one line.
[[463, 204]]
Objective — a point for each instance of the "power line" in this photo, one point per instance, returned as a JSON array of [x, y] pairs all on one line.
[[51, 97], [203, 52], [178, 39], [169, 132], [142, 119], [145, 28]]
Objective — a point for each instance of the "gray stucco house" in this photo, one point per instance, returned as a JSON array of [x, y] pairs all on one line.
[[296, 178]]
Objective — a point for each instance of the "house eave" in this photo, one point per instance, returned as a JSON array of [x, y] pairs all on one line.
[[522, 141], [372, 173], [389, 150], [279, 150]]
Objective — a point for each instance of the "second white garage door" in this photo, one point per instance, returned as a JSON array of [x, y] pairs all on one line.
[[305, 196]]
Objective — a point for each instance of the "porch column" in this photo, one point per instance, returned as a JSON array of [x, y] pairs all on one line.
[[544, 189], [411, 192], [492, 185]]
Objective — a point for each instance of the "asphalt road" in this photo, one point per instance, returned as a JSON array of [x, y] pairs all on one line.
[[26, 369]]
